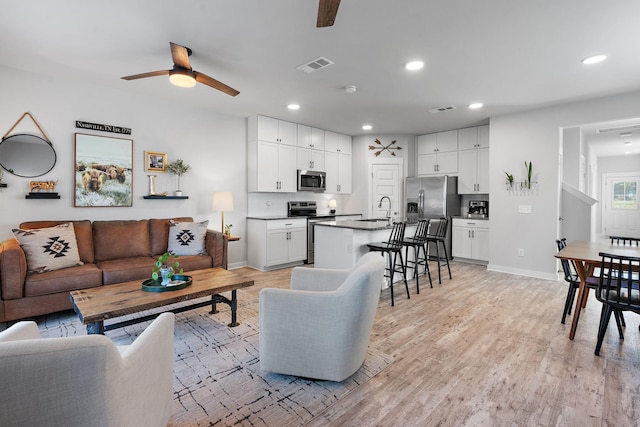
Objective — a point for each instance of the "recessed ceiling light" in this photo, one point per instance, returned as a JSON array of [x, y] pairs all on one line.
[[627, 152], [414, 65], [626, 134], [293, 107], [594, 59], [475, 105], [367, 127], [627, 143]]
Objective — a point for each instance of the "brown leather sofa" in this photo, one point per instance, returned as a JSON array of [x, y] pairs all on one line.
[[112, 252]]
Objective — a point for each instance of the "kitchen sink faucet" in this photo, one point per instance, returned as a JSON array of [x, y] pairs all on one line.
[[388, 210]]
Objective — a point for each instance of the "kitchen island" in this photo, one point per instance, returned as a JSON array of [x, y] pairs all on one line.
[[340, 244]]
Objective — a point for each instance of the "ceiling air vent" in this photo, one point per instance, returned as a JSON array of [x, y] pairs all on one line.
[[315, 65], [442, 109], [618, 129]]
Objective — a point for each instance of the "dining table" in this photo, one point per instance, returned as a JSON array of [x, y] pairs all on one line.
[[586, 257]]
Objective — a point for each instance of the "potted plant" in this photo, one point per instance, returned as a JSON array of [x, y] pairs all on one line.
[[178, 168], [227, 229], [509, 181], [162, 270]]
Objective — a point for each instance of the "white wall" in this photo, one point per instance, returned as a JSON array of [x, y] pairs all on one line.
[[213, 144], [357, 200], [535, 136]]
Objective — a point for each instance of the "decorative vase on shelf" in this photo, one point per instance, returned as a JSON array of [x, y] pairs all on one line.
[[178, 193]]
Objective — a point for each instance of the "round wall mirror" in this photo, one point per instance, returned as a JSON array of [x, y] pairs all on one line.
[[27, 155]]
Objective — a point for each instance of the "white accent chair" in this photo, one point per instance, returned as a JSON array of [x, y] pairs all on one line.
[[86, 380], [320, 328]]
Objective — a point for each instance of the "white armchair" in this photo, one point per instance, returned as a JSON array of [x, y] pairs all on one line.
[[320, 328], [86, 380]]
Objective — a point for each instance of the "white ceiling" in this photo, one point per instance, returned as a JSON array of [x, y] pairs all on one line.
[[511, 55]]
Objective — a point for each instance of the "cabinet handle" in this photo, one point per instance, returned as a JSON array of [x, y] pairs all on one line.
[[469, 233], [473, 234]]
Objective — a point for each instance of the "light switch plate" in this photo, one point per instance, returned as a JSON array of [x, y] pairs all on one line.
[[524, 209]]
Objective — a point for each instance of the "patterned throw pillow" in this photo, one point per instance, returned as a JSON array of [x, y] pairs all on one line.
[[187, 238], [49, 249]]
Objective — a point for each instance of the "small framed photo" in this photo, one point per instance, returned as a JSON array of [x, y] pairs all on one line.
[[155, 161]]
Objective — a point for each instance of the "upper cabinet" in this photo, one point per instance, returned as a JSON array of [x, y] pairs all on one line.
[[311, 138], [263, 128], [473, 160], [337, 143], [475, 137], [438, 153], [277, 148]]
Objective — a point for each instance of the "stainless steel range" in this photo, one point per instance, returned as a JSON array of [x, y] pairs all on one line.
[[308, 209]]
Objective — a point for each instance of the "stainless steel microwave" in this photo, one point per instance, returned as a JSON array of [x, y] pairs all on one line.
[[312, 181]]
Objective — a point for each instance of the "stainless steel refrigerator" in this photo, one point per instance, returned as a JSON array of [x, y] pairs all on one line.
[[432, 197]]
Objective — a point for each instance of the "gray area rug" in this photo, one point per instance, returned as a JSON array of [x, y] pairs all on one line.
[[218, 381]]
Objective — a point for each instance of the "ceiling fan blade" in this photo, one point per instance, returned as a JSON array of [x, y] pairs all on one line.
[[143, 75], [209, 81], [180, 55], [327, 11]]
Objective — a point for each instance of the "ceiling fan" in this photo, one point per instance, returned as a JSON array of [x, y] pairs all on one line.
[[182, 74], [327, 11]]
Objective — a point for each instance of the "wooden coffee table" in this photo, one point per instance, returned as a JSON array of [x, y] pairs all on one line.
[[95, 305]]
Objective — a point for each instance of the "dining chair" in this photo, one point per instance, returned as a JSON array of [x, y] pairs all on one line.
[[418, 242], [435, 238], [618, 289], [393, 249], [571, 277], [619, 240]]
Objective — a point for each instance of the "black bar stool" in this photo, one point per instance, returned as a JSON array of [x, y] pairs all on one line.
[[393, 249], [417, 242], [436, 237]]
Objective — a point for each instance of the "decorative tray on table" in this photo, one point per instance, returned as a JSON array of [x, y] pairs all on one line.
[[179, 281]]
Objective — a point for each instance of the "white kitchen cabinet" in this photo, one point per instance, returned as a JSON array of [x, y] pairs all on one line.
[[438, 153], [274, 244], [310, 138], [337, 143], [339, 172], [271, 167], [470, 239], [473, 160], [262, 128], [474, 137], [310, 159]]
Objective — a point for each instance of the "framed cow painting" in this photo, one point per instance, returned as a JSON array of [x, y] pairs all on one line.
[[103, 171]]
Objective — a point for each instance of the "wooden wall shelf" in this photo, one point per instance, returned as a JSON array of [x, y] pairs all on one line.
[[165, 197]]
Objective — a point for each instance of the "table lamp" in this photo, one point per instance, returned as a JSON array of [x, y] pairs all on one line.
[[223, 201], [332, 206]]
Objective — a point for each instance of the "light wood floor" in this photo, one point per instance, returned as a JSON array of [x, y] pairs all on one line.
[[488, 349]]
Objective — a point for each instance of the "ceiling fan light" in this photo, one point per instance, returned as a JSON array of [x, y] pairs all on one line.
[[182, 78]]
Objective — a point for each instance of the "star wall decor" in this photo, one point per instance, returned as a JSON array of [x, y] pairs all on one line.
[[381, 147]]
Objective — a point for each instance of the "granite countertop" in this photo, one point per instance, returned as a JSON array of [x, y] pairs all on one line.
[[486, 218], [357, 225], [284, 216]]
